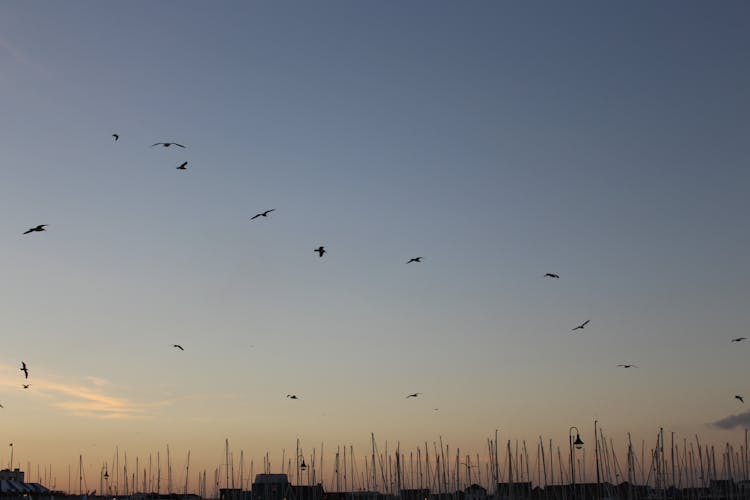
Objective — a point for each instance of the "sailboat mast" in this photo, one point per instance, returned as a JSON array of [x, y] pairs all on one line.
[[187, 474], [497, 469], [226, 460], [374, 471]]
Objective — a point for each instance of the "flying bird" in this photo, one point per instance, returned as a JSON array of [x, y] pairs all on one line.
[[415, 259], [552, 275], [413, 395], [262, 214], [628, 366], [737, 396], [321, 250], [178, 346], [739, 339], [39, 228], [24, 369], [292, 396], [26, 386], [116, 136], [183, 166], [581, 326], [167, 144]]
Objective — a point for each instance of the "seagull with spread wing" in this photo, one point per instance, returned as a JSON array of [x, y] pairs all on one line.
[[39, 228], [581, 326], [739, 339], [167, 144], [552, 275], [415, 259], [321, 250], [628, 366], [24, 369], [262, 214], [416, 394], [178, 346], [737, 396]]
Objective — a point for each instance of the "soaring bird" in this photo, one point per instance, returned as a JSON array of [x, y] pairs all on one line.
[[183, 166], [628, 366], [414, 259], [116, 136], [39, 228], [416, 394], [24, 369], [178, 346], [581, 326], [262, 214], [26, 386], [737, 396], [552, 275], [292, 396], [321, 250], [739, 339], [167, 144]]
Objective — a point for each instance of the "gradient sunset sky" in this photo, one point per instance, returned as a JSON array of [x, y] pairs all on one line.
[[606, 142]]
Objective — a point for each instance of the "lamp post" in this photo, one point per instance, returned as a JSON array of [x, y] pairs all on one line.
[[577, 444], [303, 466], [106, 480]]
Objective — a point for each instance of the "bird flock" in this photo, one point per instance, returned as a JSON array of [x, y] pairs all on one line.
[[321, 251]]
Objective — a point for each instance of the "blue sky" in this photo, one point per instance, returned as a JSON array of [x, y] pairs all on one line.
[[606, 143]]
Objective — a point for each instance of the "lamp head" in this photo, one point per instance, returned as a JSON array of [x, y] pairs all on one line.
[[578, 443]]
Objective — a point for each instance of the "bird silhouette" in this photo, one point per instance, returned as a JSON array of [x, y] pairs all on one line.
[[116, 136], [178, 346], [552, 275], [39, 228], [739, 339], [292, 396], [182, 166], [416, 394], [262, 214], [628, 366], [24, 369], [581, 326], [415, 259], [737, 396], [26, 386], [321, 250], [167, 144]]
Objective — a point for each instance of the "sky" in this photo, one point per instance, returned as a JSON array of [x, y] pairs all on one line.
[[603, 142]]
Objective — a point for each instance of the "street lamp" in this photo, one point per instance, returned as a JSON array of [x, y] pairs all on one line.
[[578, 444], [106, 480]]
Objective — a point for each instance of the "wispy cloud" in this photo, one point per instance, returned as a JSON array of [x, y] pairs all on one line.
[[98, 381], [92, 397], [733, 421], [86, 398], [91, 402]]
